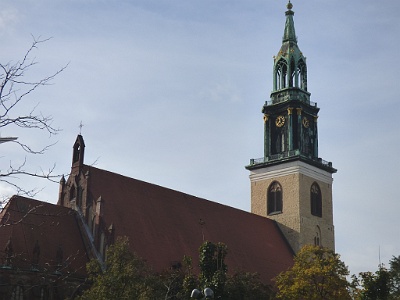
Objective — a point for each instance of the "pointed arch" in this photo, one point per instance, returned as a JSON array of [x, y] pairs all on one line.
[[293, 74], [281, 72], [316, 200], [72, 193], [317, 237], [302, 73], [274, 198]]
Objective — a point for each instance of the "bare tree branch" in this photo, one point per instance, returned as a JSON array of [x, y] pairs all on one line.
[[15, 86]]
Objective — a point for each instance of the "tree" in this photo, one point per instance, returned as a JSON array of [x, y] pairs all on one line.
[[213, 268], [125, 276], [317, 273], [383, 284], [16, 84], [373, 286], [246, 286], [394, 273]]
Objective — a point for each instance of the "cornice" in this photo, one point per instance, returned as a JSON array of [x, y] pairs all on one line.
[[289, 168]]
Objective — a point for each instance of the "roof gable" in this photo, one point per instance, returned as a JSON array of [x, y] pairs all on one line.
[[52, 229]]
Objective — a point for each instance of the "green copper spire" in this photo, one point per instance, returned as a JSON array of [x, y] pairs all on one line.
[[290, 34], [290, 68], [290, 118]]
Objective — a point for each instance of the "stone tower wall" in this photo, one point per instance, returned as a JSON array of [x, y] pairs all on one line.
[[296, 221]]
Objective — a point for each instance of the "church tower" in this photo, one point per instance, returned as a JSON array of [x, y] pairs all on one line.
[[291, 184]]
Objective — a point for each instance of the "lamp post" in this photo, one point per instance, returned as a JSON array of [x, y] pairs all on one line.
[[206, 294]]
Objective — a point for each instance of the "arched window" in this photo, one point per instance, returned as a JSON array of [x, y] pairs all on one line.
[[274, 198], [316, 200], [302, 71], [317, 237], [72, 193], [281, 71], [293, 75]]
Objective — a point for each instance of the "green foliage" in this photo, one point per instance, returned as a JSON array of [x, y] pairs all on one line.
[[317, 274], [212, 267], [246, 286], [394, 273], [374, 286], [383, 284], [126, 276]]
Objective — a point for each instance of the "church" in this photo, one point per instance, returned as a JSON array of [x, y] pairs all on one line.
[[46, 246]]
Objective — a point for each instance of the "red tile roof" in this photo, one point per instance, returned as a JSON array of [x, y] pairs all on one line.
[[163, 225], [27, 221]]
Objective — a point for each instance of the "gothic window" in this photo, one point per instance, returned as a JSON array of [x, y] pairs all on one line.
[[77, 150], [281, 71], [72, 193], [317, 237], [302, 71], [274, 198], [293, 75], [316, 200]]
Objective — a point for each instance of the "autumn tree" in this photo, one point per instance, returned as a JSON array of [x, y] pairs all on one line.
[[317, 274], [17, 86]]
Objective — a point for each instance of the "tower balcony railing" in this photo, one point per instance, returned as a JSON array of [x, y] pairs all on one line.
[[288, 154], [290, 94], [272, 102]]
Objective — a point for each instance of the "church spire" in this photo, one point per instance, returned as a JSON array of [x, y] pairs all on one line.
[[290, 33], [290, 68]]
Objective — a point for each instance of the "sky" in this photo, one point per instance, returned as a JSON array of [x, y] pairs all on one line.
[[171, 91]]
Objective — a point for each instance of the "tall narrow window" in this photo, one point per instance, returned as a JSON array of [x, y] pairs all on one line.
[[302, 71], [281, 71], [317, 237], [72, 193], [274, 198], [316, 200]]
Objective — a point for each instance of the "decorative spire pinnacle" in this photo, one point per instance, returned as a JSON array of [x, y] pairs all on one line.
[[290, 34]]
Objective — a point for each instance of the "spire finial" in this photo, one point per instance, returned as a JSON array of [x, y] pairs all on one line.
[[289, 5], [80, 128]]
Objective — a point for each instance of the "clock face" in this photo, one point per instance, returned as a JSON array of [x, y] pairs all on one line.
[[280, 121], [306, 122]]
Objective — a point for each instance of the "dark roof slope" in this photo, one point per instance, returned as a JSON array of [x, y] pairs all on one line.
[[55, 229], [163, 225]]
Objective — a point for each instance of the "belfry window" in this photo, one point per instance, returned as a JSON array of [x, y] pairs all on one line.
[[302, 72], [293, 75], [281, 71], [316, 200], [274, 198]]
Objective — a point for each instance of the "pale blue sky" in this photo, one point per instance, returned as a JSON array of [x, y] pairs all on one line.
[[170, 92]]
